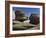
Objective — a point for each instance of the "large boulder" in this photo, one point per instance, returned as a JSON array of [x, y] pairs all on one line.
[[20, 16], [34, 19]]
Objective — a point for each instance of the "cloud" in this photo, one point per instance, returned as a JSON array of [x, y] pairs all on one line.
[[13, 15]]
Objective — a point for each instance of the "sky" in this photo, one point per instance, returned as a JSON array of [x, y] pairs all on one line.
[[27, 11]]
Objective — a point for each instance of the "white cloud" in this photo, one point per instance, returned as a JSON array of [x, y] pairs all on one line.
[[13, 15]]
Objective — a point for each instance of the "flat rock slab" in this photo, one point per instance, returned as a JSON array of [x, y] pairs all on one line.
[[21, 25]]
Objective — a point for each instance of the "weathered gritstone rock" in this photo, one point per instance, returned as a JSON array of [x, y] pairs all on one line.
[[23, 26], [34, 19], [20, 16]]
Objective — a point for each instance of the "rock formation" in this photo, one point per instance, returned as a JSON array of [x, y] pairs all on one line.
[[20, 15], [34, 19]]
